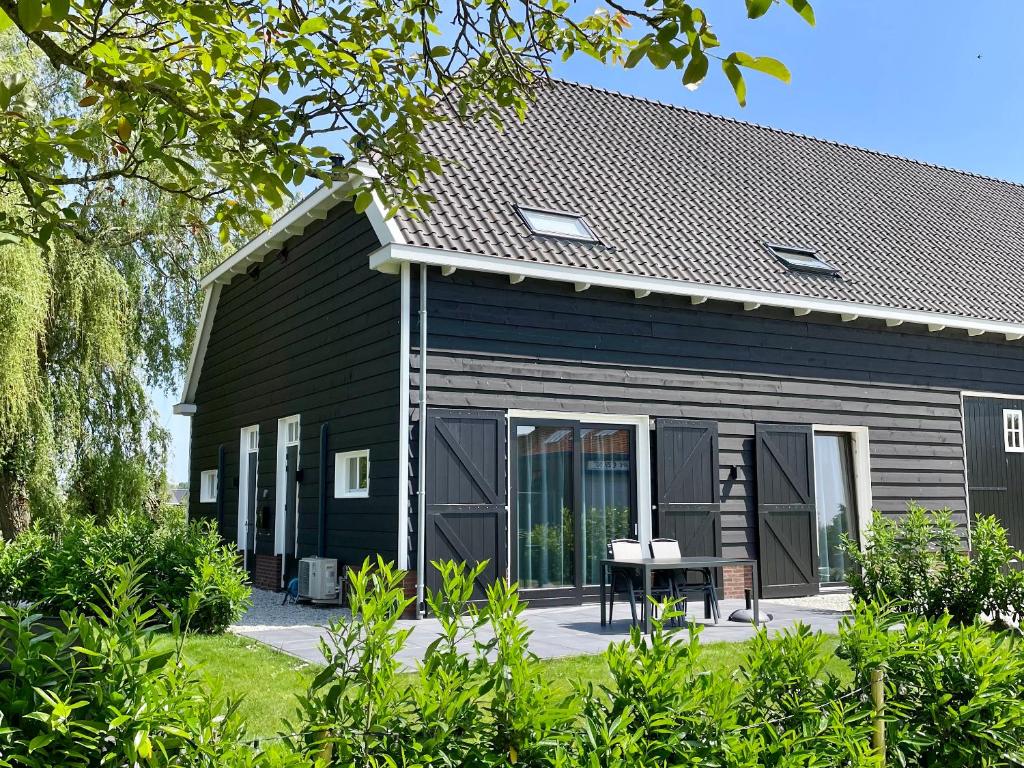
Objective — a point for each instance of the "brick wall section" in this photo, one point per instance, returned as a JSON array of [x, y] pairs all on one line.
[[736, 579], [409, 587], [266, 571]]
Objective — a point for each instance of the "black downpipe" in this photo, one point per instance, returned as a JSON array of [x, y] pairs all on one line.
[[220, 490], [321, 548]]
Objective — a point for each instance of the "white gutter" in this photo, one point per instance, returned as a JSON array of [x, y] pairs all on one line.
[[403, 421], [389, 258], [421, 489]]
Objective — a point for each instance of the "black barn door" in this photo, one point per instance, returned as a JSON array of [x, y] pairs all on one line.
[[689, 491], [787, 520], [995, 463], [466, 492]]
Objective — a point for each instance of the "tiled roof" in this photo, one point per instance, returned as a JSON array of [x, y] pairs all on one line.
[[678, 194]]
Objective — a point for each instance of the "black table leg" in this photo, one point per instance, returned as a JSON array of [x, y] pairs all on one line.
[[604, 578]]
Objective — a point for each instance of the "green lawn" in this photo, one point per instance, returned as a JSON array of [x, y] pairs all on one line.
[[267, 681]]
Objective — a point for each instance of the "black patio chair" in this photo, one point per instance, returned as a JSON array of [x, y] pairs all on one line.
[[682, 586], [628, 580]]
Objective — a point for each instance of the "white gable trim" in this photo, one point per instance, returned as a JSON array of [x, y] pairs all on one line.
[[313, 207], [389, 257]]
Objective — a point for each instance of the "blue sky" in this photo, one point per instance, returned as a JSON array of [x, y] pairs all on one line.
[[900, 77]]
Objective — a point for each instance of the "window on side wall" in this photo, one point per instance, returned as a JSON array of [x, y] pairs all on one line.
[[1013, 431], [208, 486], [352, 474]]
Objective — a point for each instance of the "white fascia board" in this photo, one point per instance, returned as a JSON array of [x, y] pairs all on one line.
[[389, 257], [313, 207], [195, 362]]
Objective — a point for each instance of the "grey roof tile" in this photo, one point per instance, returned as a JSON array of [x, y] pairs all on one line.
[[680, 194]]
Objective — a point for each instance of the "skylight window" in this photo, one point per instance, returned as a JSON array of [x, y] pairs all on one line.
[[802, 259], [557, 224]]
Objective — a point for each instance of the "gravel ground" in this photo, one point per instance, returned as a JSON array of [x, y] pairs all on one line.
[[826, 601], [268, 613]]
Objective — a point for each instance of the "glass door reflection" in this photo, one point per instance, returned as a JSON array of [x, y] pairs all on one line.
[[575, 487], [544, 503]]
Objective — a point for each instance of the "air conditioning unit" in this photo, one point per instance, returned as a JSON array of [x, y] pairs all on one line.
[[318, 578]]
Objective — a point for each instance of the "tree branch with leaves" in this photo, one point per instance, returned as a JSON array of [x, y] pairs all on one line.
[[236, 102]]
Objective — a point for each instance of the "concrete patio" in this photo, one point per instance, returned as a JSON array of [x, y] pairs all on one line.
[[565, 631]]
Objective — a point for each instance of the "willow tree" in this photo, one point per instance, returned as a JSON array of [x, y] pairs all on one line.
[[87, 323]]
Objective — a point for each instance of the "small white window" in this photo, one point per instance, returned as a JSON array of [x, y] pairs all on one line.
[[570, 225], [352, 475], [208, 486], [1013, 431]]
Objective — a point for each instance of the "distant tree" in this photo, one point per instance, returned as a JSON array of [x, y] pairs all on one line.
[[230, 103], [86, 324]]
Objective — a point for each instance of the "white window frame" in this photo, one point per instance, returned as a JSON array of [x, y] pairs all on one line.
[[204, 477], [283, 443], [860, 447], [342, 487], [245, 446], [583, 233], [645, 527], [1013, 430]]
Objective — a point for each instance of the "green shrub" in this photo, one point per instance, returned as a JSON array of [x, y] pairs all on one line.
[[183, 566], [92, 689], [955, 694], [920, 565]]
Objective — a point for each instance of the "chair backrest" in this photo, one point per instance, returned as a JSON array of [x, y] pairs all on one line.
[[626, 549], [664, 548]]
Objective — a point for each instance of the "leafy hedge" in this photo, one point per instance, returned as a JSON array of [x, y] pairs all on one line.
[[919, 563], [956, 694], [96, 691], [184, 567]]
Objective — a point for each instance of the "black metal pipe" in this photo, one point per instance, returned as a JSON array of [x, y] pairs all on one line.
[[321, 548], [220, 489]]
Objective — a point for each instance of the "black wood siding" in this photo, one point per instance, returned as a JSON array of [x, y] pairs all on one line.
[[315, 335], [539, 345]]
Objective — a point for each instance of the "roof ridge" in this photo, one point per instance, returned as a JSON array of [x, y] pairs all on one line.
[[784, 131]]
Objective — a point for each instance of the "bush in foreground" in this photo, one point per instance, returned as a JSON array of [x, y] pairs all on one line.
[[92, 689], [183, 566], [479, 698]]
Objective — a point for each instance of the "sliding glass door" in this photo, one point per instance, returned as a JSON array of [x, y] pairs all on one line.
[[574, 491]]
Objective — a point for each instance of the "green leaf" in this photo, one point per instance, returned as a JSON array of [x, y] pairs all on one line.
[[313, 25], [758, 8], [696, 70], [765, 64], [5, 21], [363, 200], [59, 9], [636, 56], [739, 87], [30, 13], [804, 9]]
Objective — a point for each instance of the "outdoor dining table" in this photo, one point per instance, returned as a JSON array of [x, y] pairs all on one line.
[[648, 565]]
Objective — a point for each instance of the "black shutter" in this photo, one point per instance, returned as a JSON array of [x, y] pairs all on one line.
[[291, 462], [787, 520], [689, 489], [466, 492]]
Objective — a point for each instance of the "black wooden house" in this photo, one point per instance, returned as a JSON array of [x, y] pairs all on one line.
[[619, 318]]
